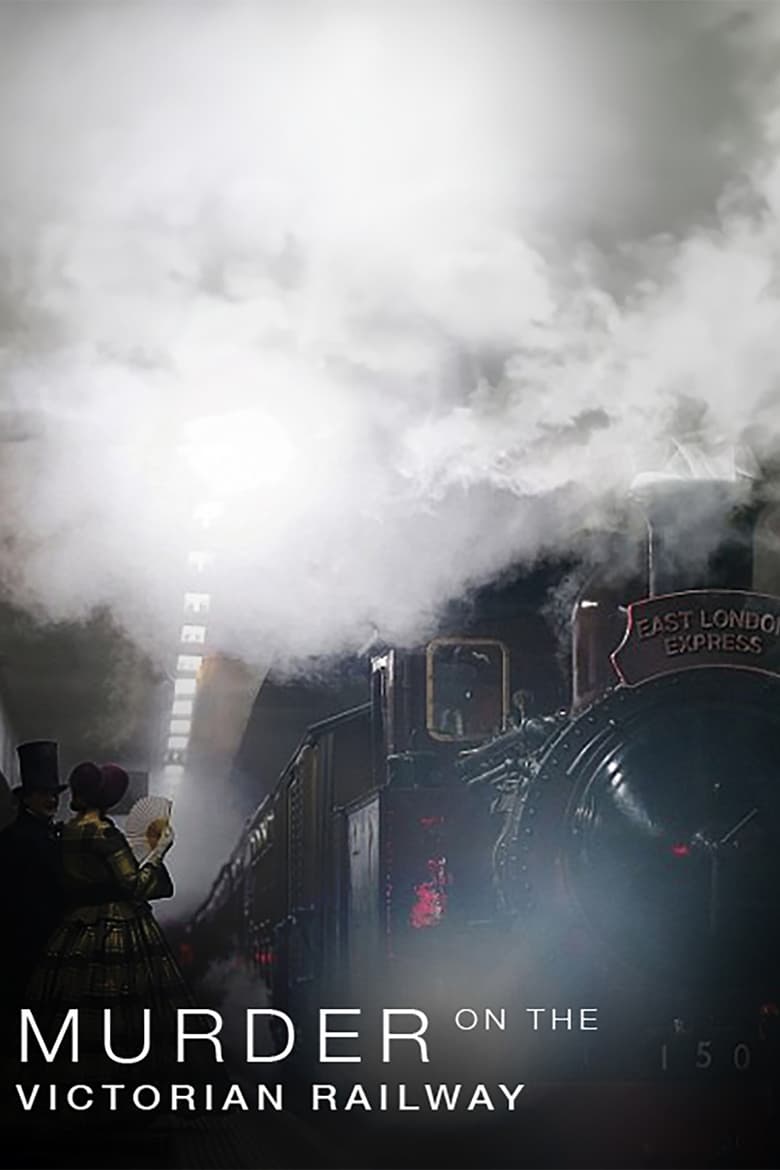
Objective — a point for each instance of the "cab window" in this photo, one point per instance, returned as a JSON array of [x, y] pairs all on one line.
[[467, 683]]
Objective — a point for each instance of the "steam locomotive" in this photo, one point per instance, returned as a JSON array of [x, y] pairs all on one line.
[[468, 831]]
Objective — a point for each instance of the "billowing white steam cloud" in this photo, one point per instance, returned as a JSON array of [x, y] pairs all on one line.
[[430, 272]]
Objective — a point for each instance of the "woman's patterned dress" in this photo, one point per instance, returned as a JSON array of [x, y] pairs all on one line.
[[109, 952]]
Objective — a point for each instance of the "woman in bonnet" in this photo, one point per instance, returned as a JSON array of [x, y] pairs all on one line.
[[108, 951]]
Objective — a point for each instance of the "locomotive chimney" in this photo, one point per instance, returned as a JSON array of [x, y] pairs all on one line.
[[700, 532], [700, 535]]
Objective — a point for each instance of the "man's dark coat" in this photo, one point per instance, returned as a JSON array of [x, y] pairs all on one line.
[[32, 898]]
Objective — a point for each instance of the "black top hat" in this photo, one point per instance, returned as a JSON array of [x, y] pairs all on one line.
[[38, 766]]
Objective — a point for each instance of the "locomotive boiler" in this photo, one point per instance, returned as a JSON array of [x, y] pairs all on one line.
[[604, 831]]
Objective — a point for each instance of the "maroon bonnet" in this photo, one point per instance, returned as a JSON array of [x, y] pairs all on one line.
[[98, 787]]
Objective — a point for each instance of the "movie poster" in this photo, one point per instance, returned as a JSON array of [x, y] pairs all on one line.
[[389, 583]]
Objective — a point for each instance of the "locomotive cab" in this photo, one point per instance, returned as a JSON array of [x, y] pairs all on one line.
[[487, 667], [418, 881]]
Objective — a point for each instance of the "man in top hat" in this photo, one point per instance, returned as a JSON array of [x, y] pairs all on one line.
[[30, 872]]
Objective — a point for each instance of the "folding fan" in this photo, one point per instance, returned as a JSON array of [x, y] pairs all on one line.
[[145, 822]]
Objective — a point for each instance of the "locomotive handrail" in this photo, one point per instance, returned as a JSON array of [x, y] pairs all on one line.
[[204, 905], [314, 729], [498, 772]]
